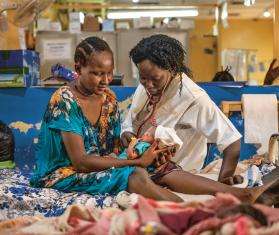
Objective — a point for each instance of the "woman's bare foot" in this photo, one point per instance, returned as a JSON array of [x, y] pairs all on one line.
[[269, 199], [252, 194]]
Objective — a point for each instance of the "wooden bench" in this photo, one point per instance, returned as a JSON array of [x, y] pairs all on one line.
[[232, 106]]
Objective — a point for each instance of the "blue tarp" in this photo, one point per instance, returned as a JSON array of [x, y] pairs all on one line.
[[23, 108]]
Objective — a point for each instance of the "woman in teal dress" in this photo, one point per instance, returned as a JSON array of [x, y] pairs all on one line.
[[54, 168]]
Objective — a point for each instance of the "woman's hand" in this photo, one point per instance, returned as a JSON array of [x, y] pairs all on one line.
[[165, 156], [126, 138], [272, 73], [236, 179], [150, 155]]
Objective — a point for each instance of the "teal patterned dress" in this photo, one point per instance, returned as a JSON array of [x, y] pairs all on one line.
[[53, 165]]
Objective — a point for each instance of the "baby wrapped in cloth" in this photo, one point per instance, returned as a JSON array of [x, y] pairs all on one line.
[[166, 137]]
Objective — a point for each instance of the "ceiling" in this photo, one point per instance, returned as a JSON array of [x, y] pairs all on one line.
[[236, 9], [255, 11]]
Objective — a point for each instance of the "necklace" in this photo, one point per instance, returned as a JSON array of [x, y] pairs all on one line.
[[87, 94]]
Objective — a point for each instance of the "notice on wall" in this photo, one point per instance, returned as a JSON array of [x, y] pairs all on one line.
[[57, 49]]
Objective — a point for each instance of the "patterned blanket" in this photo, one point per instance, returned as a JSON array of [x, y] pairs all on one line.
[[17, 198]]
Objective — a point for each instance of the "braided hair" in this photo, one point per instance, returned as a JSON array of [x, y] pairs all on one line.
[[88, 46], [223, 76], [164, 51]]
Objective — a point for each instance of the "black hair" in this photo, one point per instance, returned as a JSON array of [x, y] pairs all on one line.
[[244, 209], [88, 46], [164, 51], [223, 76]]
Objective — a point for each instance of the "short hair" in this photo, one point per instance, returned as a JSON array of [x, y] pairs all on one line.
[[162, 50], [224, 76]]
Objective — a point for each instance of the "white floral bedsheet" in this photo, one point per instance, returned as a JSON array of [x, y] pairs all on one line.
[[17, 198]]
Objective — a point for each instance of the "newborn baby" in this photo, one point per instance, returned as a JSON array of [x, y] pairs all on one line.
[[165, 136]]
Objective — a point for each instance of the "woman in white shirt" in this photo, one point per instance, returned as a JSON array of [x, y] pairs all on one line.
[[167, 96]]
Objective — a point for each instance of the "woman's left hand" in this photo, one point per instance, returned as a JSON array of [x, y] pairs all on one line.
[[232, 180], [164, 157]]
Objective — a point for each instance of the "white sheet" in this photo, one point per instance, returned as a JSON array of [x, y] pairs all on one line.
[[260, 119]]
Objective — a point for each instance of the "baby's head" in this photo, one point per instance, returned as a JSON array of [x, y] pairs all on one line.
[[149, 135], [166, 137]]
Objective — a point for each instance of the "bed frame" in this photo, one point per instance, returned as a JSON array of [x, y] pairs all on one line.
[[233, 106]]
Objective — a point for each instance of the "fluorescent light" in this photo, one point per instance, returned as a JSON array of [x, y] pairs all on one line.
[[249, 2], [266, 14], [191, 12], [135, 1]]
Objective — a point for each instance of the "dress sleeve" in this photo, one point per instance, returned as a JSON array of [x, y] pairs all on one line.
[[204, 116], [63, 113], [127, 124]]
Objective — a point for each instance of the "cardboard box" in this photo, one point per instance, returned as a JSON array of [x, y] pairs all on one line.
[[122, 25], [143, 23], [74, 22], [19, 68], [55, 26], [74, 17], [82, 1], [43, 24], [91, 24], [108, 25], [74, 27]]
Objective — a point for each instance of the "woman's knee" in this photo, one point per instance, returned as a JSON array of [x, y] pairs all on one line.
[[139, 178]]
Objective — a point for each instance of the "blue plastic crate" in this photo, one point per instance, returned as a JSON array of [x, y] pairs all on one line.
[[19, 68]]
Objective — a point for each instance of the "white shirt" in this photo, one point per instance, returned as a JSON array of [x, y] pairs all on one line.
[[194, 116]]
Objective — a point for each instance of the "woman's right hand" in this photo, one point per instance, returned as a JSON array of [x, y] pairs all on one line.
[[272, 73], [126, 138], [150, 155]]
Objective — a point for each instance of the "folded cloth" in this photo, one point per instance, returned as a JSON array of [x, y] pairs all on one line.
[[251, 170], [254, 176], [260, 119], [167, 137], [7, 164]]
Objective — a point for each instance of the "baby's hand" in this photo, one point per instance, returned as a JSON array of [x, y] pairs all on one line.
[[132, 154], [126, 138], [173, 150], [130, 150]]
